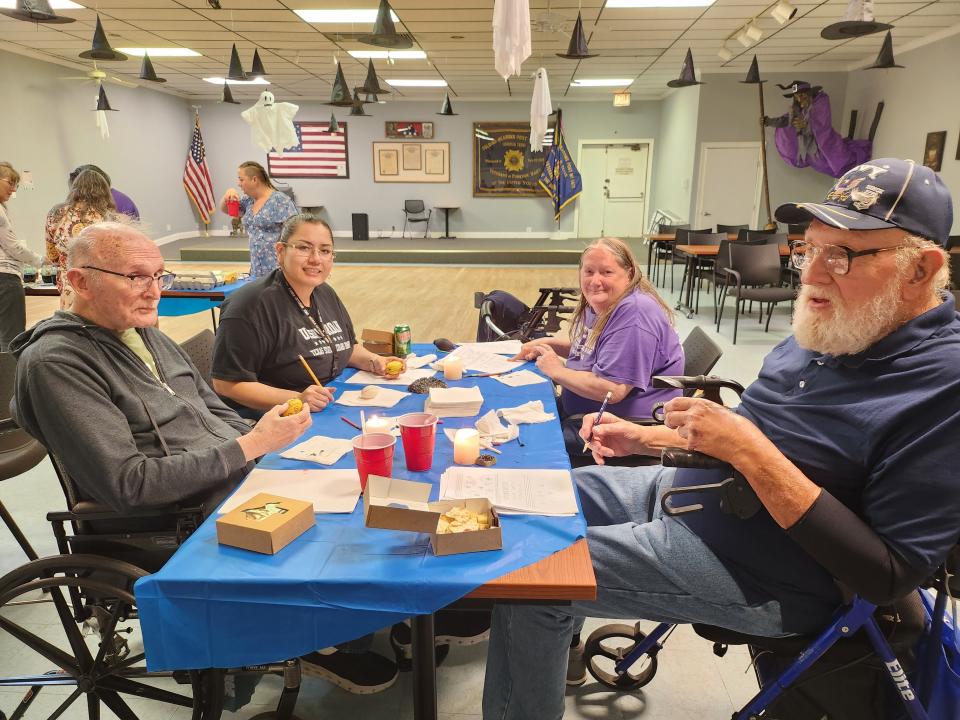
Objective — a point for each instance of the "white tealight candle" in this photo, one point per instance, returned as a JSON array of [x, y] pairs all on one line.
[[466, 446], [453, 368], [378, 424]]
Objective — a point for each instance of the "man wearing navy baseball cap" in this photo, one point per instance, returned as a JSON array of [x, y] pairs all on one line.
[[846, 438]]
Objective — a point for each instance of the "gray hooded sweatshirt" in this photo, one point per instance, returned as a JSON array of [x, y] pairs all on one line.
[[128, 440]]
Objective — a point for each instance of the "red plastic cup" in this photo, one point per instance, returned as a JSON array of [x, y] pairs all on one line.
[[374, 455], [418, 431]]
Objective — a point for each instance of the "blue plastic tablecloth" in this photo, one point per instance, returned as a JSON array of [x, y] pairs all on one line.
[[174, 307], [217, 606]]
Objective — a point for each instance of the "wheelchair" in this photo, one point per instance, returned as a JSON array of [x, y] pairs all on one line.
[[80, 636], [504, 317], [624, 657]]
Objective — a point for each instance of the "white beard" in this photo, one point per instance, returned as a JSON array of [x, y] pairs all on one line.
[[844, 332]]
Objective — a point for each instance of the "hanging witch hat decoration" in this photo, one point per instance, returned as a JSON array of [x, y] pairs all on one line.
[[385, 32], [227, 95], [340, 93], [577, 50], [885, 56], [333, 126], [753, 74], [858, 20], [687, 75], [36, 11], [147, 72], [447, 108], [257, 69], [100, 49], [236, 69], [356, 110], [102, 102], [372, 84]]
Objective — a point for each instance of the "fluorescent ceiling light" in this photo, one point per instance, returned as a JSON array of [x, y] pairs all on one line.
[[160, 52], [392, 54], [320, 16], [54, 5], [219, 81], [602, 82], [658, 3], [417, 83]]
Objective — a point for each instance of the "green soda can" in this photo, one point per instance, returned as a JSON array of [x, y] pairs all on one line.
[[402, 340]]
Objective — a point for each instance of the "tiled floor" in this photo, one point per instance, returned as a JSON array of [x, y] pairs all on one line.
[[690, 684]]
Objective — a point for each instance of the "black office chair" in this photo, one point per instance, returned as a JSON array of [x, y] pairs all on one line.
[[200, 349], [413, 212], [754, 273], [18, 451]]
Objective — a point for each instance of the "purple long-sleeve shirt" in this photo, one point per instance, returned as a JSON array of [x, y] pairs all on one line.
[[125, 206]]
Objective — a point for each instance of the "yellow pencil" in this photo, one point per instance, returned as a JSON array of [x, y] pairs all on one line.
[[309, 371]]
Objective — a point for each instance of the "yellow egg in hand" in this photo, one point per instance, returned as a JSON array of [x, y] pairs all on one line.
[[294, 405], [394, 367]]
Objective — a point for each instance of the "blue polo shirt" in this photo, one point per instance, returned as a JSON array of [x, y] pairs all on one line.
[[880, 431]]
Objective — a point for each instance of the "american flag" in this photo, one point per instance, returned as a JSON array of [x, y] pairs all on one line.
[[196, 176], [316, 154]]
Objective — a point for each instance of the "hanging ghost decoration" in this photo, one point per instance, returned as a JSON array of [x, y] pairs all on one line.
[[271, 123]]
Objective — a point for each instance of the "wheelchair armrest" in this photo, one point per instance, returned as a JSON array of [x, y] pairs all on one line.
[[680, 458], [87, 510], [697, 382], [8, 425]]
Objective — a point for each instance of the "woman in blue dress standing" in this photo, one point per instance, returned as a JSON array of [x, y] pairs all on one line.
[[263, 210]]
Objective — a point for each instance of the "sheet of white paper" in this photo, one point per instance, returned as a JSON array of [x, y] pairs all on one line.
[[484, 362], [330, 491], [521, 378], [319, 449], [363, 377], [385, 398], [415, 361], [526, 492], [498, 347]]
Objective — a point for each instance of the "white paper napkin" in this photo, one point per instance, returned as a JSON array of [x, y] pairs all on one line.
[[520, 378], [385, 397], [319, 449], [415, 361], [530, 412], [330, 491], [362, 377]]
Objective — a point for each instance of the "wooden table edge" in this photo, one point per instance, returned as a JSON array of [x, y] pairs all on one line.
[[565, 575]]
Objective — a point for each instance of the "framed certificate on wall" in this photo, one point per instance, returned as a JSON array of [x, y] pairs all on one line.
[[421, 162]]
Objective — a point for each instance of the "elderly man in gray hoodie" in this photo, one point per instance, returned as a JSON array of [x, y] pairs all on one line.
[[118, 402]]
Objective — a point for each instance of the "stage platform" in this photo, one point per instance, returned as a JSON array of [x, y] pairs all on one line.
[[409, 251]]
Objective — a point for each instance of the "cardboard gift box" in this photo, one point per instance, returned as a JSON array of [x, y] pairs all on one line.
[[393, 504], [265, 523], [377, 341]]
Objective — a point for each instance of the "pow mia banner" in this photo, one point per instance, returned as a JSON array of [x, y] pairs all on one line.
[[503, 164]]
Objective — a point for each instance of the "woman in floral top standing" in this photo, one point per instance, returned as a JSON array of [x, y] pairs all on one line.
[[263, 211], [89, 201]]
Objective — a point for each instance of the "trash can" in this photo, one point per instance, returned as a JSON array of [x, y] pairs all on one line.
[[361, 226]]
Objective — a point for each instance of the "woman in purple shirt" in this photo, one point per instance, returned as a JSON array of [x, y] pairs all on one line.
[[621, 335]]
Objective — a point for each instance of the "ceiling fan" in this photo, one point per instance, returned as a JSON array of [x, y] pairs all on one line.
[[98, 76]]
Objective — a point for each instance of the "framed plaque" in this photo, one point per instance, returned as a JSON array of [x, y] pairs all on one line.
[[409, 129], [422, 162]]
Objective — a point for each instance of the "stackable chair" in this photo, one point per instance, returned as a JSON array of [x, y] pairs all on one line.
[[87, 607], [752, 272], [662, 251], [200, 349], [623, 657], [731, 228], [503, 316], [702, 265], [413, 213], [682, 238]]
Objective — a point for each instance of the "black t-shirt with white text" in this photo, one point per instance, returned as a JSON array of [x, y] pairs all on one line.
[[263, 330]]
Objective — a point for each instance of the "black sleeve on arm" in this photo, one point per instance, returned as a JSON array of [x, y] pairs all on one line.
[[238, 351], [853, 553]]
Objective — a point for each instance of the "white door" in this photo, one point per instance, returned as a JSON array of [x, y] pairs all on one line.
[[729, 191], [613, 201]]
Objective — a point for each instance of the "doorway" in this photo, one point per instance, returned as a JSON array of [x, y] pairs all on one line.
[[615, 174], [729, 185]]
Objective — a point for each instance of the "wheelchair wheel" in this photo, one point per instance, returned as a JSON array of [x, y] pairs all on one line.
[[609, 644], [71, 613]]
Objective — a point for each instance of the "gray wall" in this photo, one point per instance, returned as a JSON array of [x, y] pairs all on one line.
[[921, 98], [49, 129], [228, 143], [676, 151], [729, 112]]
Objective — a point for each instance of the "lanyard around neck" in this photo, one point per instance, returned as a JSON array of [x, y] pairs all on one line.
[[306, 311]]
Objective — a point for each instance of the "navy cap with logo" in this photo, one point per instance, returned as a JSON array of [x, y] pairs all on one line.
[[882, 193]]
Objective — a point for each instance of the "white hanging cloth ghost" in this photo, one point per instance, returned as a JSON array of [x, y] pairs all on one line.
[[271, 123], [511, 36], [540, 109], [102, 125]]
